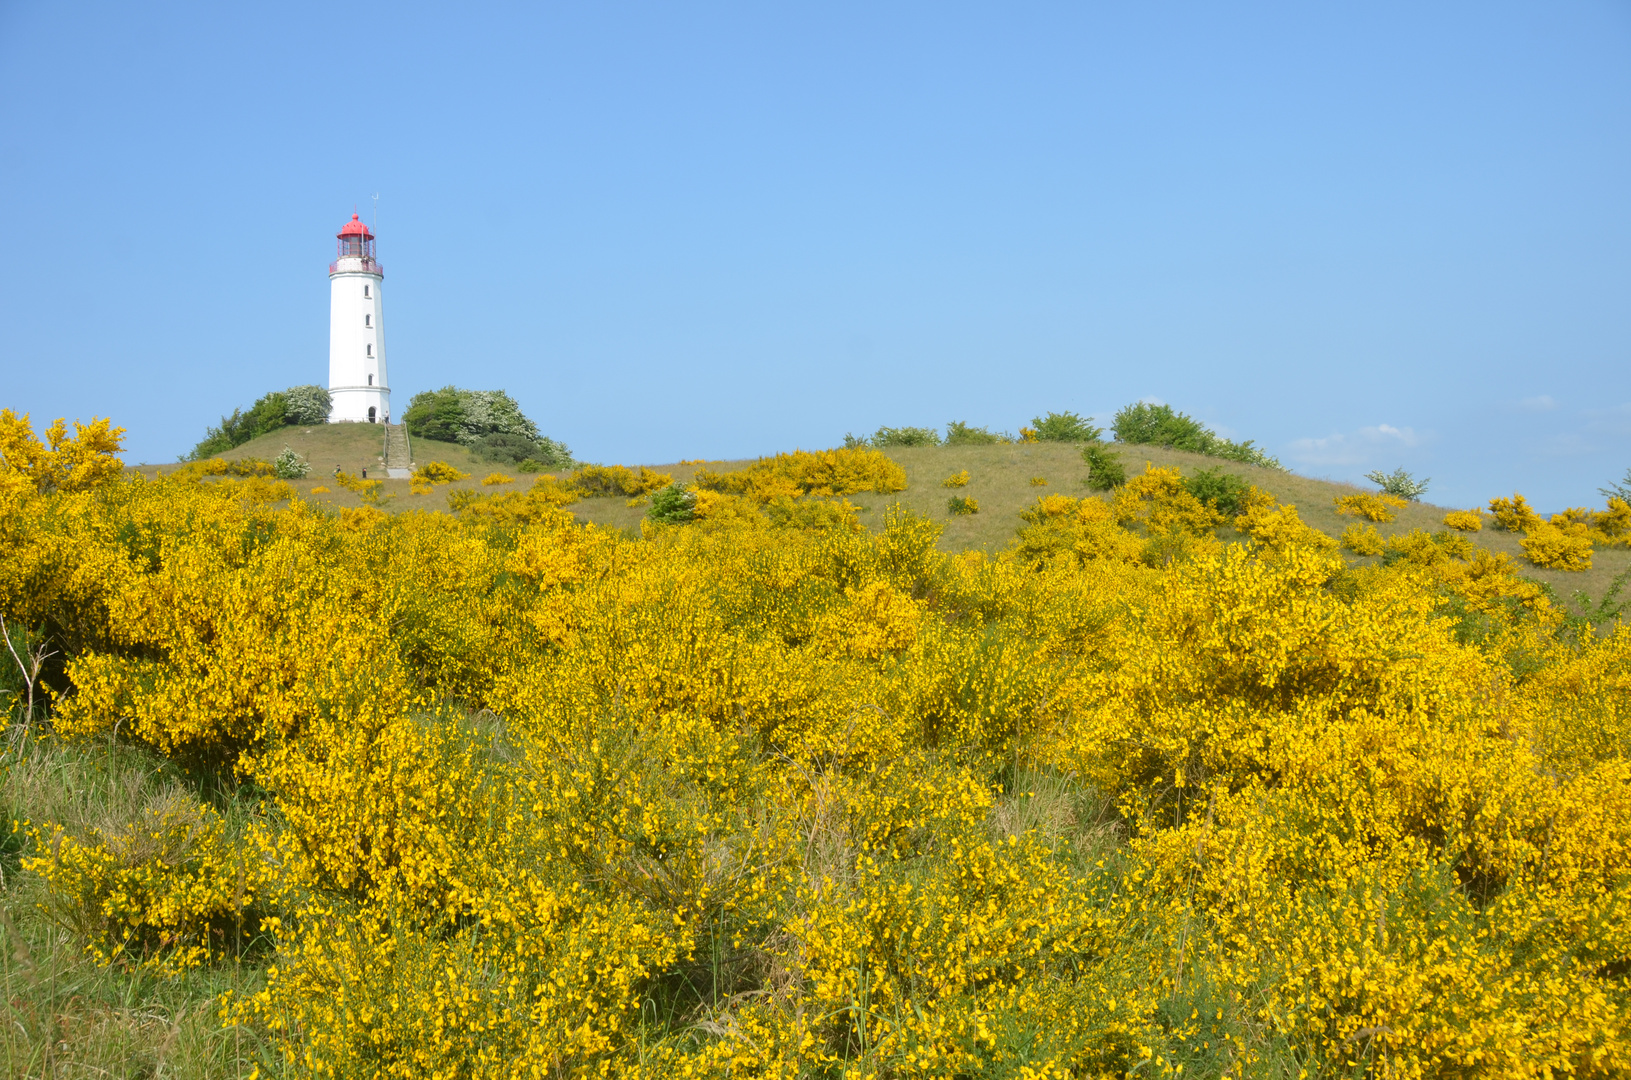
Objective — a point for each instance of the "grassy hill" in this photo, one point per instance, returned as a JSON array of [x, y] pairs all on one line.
[[1000, 480]]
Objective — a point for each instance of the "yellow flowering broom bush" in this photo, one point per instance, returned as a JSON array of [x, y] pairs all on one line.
[[1362, 540], [619, 480], [766, 794], [167, 891], [804, 472], [1369, 506], [438, 472]]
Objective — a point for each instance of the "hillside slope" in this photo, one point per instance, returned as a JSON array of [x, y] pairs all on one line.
[[999, 479]]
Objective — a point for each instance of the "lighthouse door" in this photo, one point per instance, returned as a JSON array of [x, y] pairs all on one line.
[[370, 414]]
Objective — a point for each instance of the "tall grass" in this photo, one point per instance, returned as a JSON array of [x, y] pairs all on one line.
[[63, 1013]]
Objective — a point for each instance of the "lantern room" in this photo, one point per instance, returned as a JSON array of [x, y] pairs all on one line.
[[356, 242]]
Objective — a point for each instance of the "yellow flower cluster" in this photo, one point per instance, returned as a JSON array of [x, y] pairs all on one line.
[[803, 472], [1464, 520], [62, 463], [1565, 541], [1362, 540], [619, 480], [956, 480], [368, 490], [1514, 514], [1369, 506], [166, 892], [438, 472], [769, 795]]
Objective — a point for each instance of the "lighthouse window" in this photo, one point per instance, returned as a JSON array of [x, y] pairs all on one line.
[[365, 292], [370, 350], [370, 380], [368, 320]]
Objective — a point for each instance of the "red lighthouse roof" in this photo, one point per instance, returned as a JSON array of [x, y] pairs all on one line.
[[355, 227]]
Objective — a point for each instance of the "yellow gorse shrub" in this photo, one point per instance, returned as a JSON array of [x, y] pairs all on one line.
[[1362, 540], [767, 794], [1558, 547], [803, 472], [1371, 507], [1514, 514], [62, 462], [369, 490], [1611, 527], [1464, 520], [956, 480], [618, 480], [437, 472], [496, 478], [166, 891]]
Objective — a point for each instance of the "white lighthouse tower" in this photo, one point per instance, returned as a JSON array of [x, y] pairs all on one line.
[[356, 336]]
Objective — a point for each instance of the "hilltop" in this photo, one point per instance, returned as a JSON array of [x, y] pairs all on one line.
[[1000, 479]]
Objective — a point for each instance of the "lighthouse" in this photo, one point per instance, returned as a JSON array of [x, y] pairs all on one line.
[[356, 334]]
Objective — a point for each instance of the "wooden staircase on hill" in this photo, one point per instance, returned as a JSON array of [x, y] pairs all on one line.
[[398, 452]]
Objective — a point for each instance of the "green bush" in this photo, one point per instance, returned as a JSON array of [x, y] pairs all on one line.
[[672, 505], [958, 506], [543, 453], [1399, 484], [1159, 425], [906, 436], [452, 414], [960, 434], [1224, 491], [1622, 490], [1064, 427], [296, 405], [1104, 468]]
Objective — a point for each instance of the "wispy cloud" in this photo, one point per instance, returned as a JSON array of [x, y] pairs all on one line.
[[1360, 447]]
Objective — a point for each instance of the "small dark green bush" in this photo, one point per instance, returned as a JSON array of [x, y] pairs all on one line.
[[672, 505], [505, 449], [906, 436], [1064, 427], [960, 434], [1159, 425], [1223, 491], [1104, 468], [958, 506]]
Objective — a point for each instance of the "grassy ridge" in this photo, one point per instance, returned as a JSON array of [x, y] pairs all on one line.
[[1000, 480]]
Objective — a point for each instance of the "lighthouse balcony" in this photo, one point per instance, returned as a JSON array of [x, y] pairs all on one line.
[[356, 265]]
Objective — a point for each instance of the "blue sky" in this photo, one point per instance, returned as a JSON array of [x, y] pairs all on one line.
[[1365, 235]]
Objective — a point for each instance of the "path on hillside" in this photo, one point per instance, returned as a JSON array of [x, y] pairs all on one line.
[[398, 452]]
